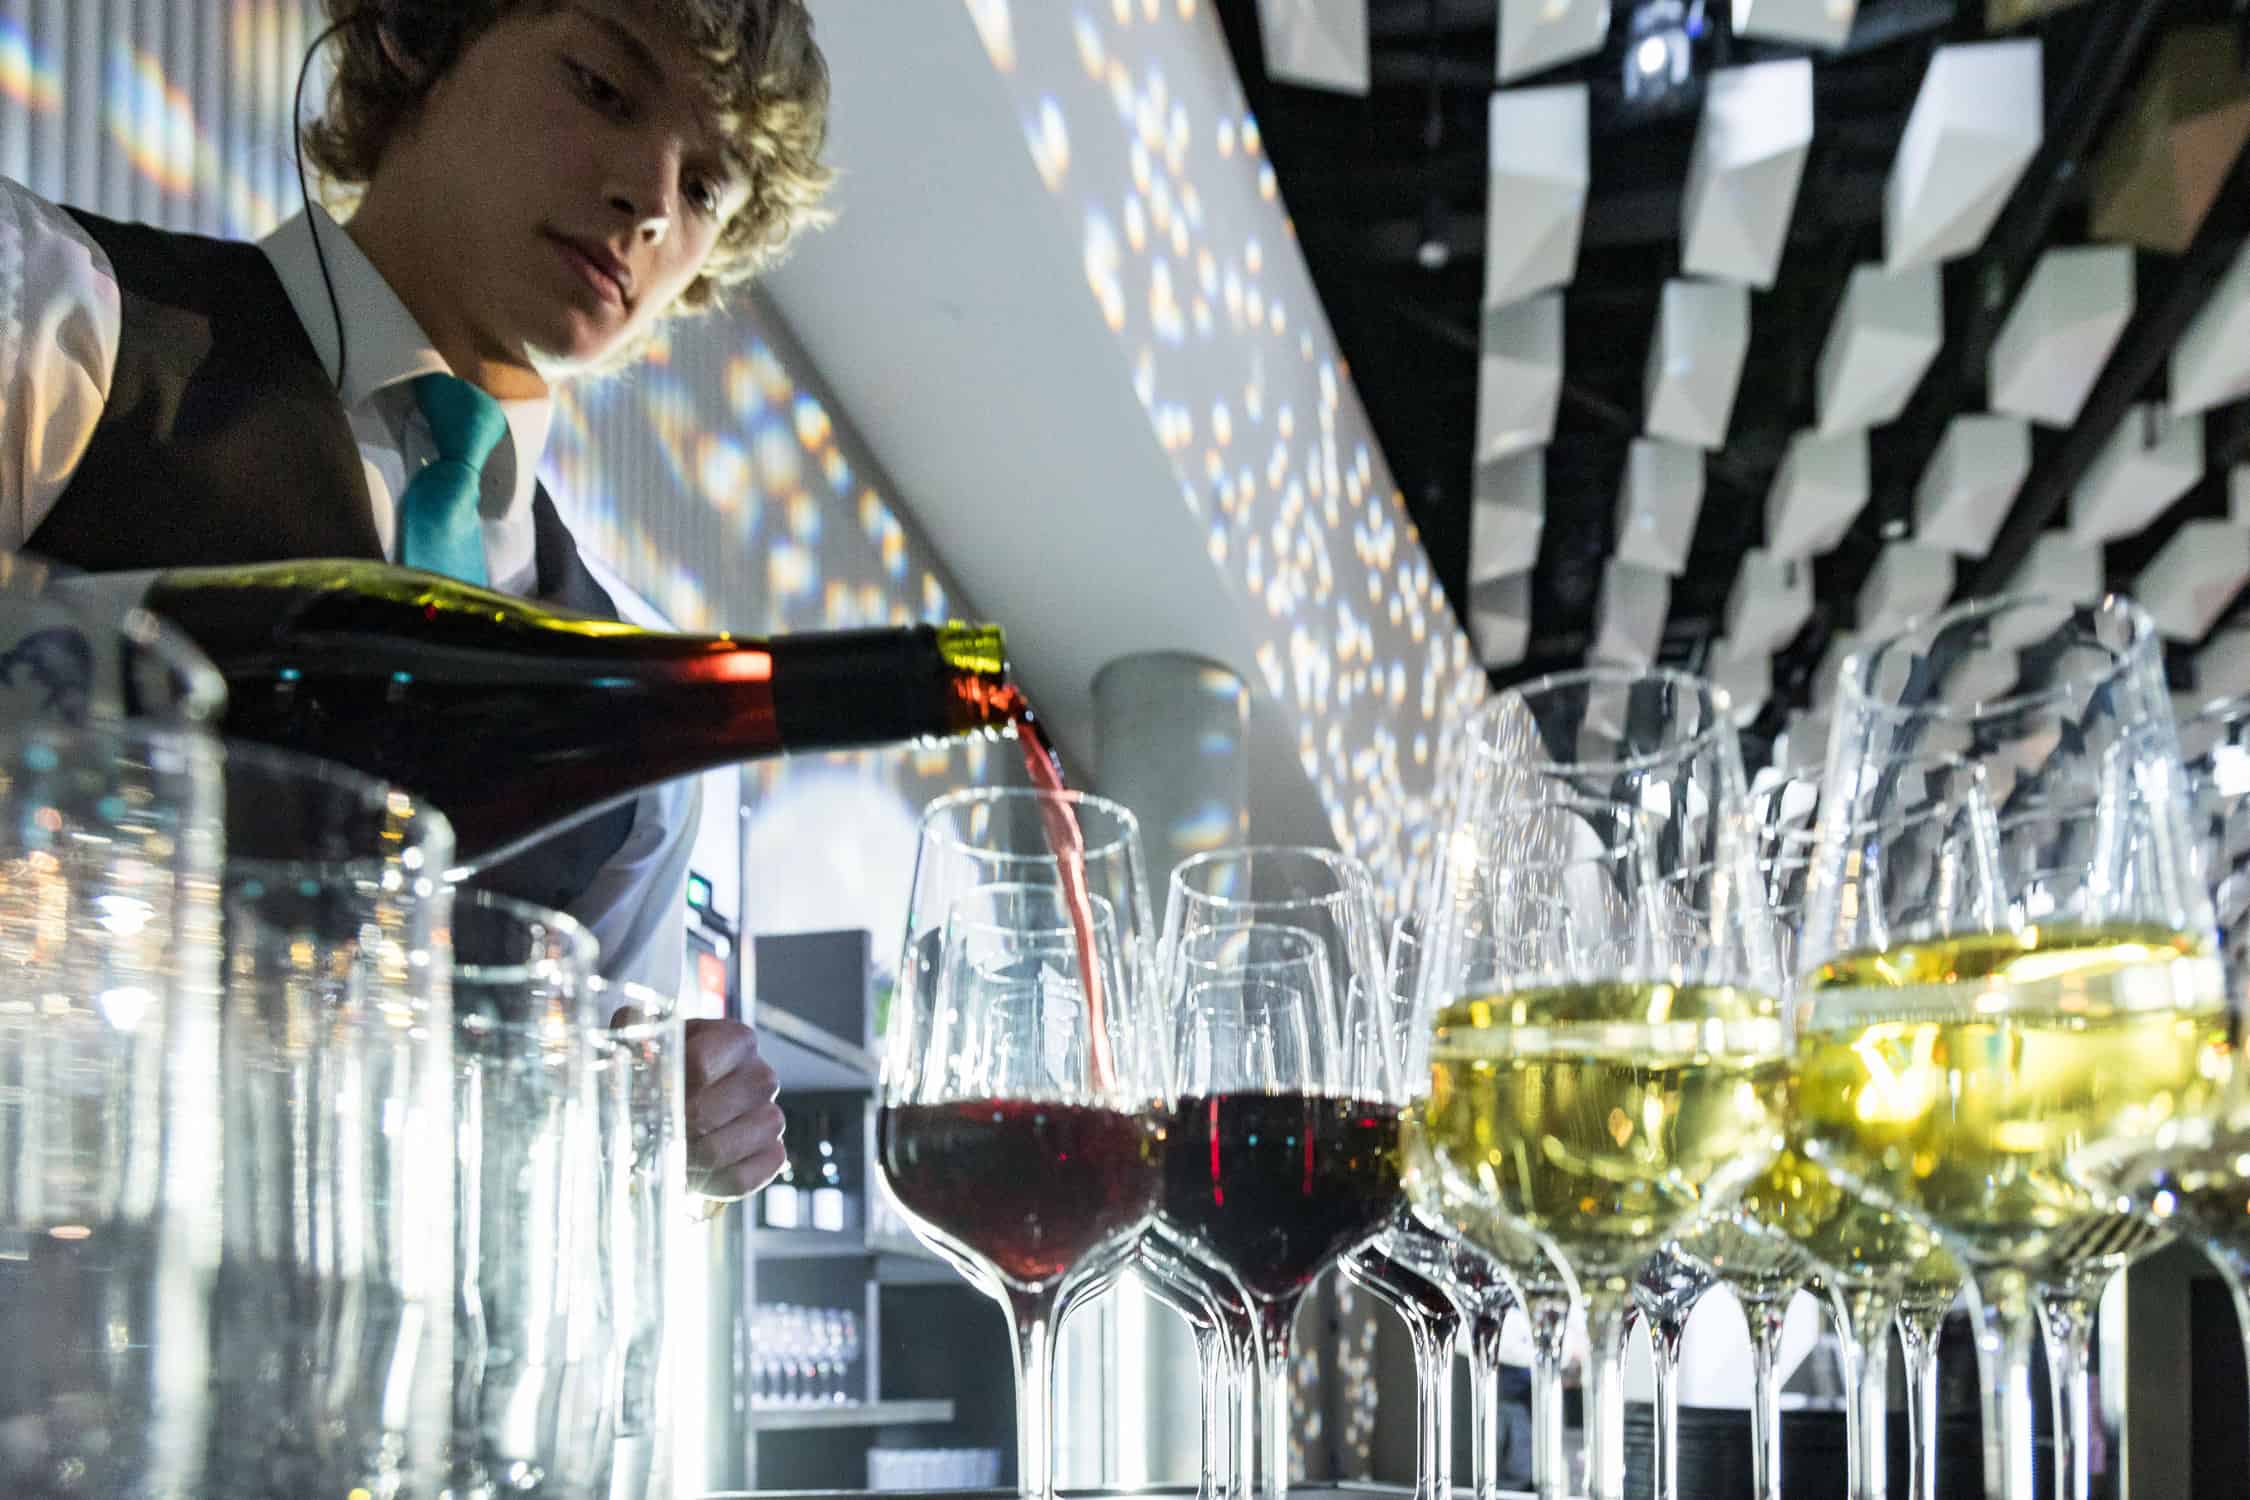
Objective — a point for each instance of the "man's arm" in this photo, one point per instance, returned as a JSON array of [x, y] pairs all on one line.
[[60, 322]]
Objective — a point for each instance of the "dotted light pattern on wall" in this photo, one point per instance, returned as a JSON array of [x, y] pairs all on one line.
[[715, 479], [1135, 120]]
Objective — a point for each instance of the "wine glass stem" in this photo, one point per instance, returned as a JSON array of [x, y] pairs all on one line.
[[1609, 1312], [1863, 1339], [1434, 1327], [2007, 1322], [1549, 1313], [1484, 1392], [1918, 1340], [1276, 1320], [1664, 1338], [1242, 1344], [1215, 1479], [1031, 1321], [2066, 1314], [1766, 1317]]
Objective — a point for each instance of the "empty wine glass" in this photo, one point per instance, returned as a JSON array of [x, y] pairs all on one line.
[[337, 1283], [534, 1355], [1282, 1153], [110, 1097], [1963, 1064], [1017, 1122]]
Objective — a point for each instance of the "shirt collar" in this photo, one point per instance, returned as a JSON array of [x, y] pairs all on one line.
[[388, 347]]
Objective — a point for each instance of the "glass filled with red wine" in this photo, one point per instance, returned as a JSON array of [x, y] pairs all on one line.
[[1020, 1110], [1282, 1154]]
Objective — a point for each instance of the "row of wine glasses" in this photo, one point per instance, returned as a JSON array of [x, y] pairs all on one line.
[[802, 1356]]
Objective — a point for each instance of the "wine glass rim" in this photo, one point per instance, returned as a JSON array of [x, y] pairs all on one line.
[[1126, 836], [1851, 689], [579, 941], [1355, 881], [1100, 910], [660, 1012], [1721, 714]]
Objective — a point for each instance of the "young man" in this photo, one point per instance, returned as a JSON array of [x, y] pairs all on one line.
[[538, 185]]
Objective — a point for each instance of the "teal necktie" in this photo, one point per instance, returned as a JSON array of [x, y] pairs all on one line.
[[438, 526]]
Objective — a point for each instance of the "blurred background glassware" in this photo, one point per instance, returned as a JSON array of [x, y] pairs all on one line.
[[337, 1286], [640, 1076], [1968, 1068], [109, 1107], [1019, 1099], [72, 649], [535, 1367]]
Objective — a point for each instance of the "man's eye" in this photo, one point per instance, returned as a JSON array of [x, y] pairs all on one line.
[[597, 90], [704, 194]]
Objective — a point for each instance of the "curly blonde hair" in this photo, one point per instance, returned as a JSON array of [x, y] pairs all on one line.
[[764, 80]]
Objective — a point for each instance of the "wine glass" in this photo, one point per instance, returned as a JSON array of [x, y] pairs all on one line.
[[1282, 1153], [1410, 1268], [1961, 1056], [1016, 1129], [1603, 1075]]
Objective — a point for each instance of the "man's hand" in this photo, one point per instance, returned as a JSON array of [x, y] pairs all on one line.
[[733, 1123]]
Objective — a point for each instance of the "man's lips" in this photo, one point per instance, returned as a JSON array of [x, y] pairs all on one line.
[[596, 267]]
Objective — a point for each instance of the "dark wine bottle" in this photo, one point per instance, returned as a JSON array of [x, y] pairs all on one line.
[[514, 719]]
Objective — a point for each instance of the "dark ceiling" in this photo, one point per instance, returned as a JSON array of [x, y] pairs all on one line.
[[1358, 176]]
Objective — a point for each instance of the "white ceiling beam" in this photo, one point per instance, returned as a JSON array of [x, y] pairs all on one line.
[[1500, 619], [1771, 601], [1819, 490], [2211, 362], [2061, 332], [1971, 482], [2151, 460], [1658, 504], [1536, 35], [1695, 361], [1629, 624], [1909, 580], [1507, 514], [1975, 126], [1746, 676], [1538, 183], [1519, 376], [1815, 23], [1742, 180], [1319, 44], [2194, 576], [1887, 333]]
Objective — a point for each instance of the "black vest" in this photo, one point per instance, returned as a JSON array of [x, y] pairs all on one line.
[[223, 442]]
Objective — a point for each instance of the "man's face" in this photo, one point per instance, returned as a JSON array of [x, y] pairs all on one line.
[[572, 186]]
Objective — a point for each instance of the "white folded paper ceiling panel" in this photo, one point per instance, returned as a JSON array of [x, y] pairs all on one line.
[[1742, 181], [1746, 677], [1536, 35], [1972, 480], [2238, 495], [1815, 23], [2222, 667], [1538, 182], [1658, 504], [2061, 332], [1888, 331], [1519, 376], [1629, 619], [1695, 361], [1320, 44], [1819, 490], [1507, 516], [1974, 128], [1500, 619], [2169, 154], [1909, 580], [1829, 675], [2058, 566], [1771, 601], [2151, 460], [2194, 576], [2211, 363]]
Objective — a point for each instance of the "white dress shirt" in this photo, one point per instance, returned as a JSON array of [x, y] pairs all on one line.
[[60, 326]]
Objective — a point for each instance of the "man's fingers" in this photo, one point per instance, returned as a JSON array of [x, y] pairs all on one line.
[[732, 1097], [739, 1157], [715, 1049]]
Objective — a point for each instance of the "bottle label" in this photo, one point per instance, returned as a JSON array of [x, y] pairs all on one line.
[[784, 1207], [828, 1208]]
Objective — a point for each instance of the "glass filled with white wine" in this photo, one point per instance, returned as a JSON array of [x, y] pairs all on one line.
[[1961, 1054], [1600, 1080]]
